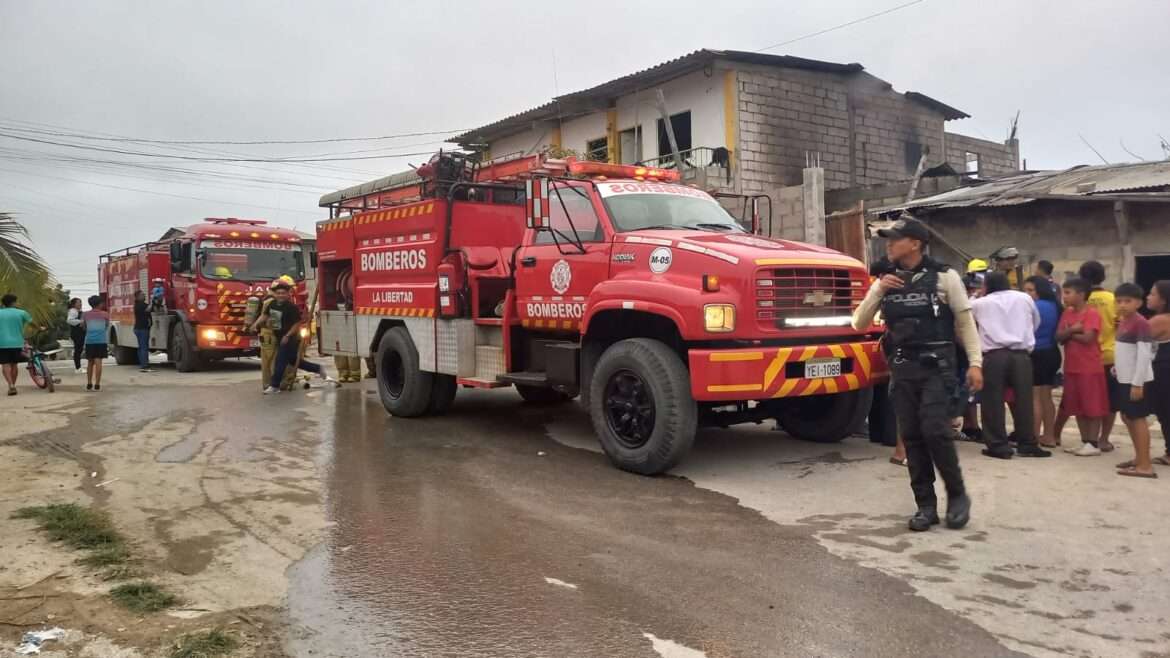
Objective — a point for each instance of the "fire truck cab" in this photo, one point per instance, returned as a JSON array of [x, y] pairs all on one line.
[[613, 283], [206, 273]]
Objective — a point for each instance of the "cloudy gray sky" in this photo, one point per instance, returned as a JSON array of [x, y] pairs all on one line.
[[217, 70]]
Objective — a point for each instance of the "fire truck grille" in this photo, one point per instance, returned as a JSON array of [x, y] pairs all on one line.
[[805, 293]]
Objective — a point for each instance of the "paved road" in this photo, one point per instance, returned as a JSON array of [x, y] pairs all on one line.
[[475, 535], [499, 530]]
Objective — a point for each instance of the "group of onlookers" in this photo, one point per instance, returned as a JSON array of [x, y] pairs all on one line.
[[1097, 345]]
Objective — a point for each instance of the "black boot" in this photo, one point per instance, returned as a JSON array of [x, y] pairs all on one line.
[[958, 511], [923, 519]]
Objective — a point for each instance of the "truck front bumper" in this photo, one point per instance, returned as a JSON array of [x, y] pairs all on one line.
[[778, 372]]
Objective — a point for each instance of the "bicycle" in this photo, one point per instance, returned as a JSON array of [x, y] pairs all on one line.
[[38, 369]]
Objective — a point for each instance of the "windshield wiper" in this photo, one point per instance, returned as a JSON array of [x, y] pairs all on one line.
[[715, 225], [667, 227]]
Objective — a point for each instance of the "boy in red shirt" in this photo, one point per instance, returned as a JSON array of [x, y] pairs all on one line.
[[1086, 394]]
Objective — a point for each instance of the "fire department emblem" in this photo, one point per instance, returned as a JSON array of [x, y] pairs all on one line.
[[561, 277]]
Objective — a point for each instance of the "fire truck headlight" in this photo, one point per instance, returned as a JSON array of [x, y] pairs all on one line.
[[214, 334], [719, 318]]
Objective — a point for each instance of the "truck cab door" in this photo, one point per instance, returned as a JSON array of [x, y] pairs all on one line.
[[553, 277]]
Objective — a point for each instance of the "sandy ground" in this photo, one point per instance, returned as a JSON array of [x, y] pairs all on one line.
[[223, 501], [215, 512]]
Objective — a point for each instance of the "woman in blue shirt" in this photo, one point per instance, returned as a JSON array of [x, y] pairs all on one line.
[[1045, 358]]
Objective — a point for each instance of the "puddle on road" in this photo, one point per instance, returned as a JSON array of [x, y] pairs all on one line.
[[466, 535]]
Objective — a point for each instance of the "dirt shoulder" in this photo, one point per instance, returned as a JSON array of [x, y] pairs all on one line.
[[214, 488]]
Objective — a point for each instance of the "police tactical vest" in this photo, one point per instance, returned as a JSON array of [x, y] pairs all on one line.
[[915, 316]]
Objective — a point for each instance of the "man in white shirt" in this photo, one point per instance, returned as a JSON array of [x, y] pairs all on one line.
[[1007, 321]]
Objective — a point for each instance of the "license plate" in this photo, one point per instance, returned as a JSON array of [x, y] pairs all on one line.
[[819, 368]]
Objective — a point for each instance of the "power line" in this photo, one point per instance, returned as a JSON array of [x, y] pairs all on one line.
[[177, 196], [843, 25], [195, 159], [141, 140]]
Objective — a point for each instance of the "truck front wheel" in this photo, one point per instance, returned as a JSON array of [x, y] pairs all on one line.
[[182, 352], [123, 356], [641, 406], [405, 390], [825, 418]]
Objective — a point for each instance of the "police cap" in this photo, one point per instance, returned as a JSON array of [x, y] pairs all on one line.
[[906, 228]]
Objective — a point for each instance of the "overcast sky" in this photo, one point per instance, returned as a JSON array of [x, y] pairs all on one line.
[[217, 70]]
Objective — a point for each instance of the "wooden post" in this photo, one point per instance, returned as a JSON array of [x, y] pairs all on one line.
[[1128, 262], [669, 130]]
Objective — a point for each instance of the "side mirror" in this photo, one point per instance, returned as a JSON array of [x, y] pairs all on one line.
[[536, 203], [176, 256]]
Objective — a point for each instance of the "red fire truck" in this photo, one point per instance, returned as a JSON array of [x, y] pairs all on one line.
[[207, 272], [609, 282]]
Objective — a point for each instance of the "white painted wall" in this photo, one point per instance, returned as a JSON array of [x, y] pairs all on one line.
[[701, 95], [575, 133], [522, 142], [696, 92]]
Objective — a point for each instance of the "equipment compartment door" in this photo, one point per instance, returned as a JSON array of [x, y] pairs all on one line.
[[338, 332]]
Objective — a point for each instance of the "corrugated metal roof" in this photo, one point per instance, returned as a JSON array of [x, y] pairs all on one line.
[[582, 102], [1083, 181]]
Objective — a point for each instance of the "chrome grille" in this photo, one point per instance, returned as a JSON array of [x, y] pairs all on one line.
[[805, 292]]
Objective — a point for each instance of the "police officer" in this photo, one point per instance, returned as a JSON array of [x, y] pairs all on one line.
[[926, 311]]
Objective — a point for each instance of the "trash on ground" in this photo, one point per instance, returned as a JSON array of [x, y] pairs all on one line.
[[32, 640]]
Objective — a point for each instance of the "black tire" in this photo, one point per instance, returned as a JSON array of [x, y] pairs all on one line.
[[182, 352], [405, 390], [443, 391], [541, 395], [825, 418], [643, 375], [47, 375], [123, 356]]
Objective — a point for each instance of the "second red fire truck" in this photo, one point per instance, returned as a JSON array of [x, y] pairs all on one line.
[[206, 273], [609, 282]]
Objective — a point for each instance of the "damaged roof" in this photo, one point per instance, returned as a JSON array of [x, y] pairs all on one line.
[[596, 98], [1141, 181]]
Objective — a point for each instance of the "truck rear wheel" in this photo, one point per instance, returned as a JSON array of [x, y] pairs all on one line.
[[123, 356], [405, 390], [641, 406], [182, 352], [825, 418], [443, 392], [540, 395]]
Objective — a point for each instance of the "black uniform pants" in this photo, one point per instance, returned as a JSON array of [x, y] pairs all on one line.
[[1001, 369], [923, 395]]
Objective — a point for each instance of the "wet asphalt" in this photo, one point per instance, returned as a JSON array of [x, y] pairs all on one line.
[[476, 534]]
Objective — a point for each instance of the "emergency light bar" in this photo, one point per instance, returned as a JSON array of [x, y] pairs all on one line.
[[620, 171]]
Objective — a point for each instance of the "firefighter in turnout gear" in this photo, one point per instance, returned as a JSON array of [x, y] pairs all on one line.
[[926, 312], [268, 340]]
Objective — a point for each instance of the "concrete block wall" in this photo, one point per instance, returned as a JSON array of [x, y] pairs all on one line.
[[1067, 234], [995, 159], [784, 113], [884, 123], [857, 124]]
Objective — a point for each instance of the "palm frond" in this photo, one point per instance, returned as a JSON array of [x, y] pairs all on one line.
[[16, 257]]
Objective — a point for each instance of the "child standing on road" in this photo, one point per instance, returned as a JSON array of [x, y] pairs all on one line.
[[1085, 392], [1134, 357], [97, 326], [1158, 392]]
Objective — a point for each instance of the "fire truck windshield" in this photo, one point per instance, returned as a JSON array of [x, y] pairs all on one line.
[[635, 212], [246, 263]]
